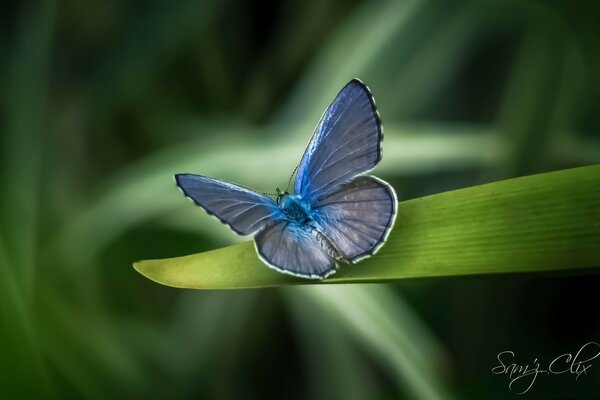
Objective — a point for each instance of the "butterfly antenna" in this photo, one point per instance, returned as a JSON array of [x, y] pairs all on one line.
[[290, 181], [270, 194]]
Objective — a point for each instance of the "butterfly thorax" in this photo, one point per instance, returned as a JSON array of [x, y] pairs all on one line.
[[294, 208]]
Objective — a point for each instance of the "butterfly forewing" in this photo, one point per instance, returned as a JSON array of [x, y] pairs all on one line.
[[346, 143], [243, 210]]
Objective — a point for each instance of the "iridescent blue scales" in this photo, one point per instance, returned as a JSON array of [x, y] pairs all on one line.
[[336, 213]]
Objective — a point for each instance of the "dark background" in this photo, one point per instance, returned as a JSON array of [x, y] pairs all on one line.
[[103, 100]]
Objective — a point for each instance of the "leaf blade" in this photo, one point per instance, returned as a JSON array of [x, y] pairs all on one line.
[[543, 222]]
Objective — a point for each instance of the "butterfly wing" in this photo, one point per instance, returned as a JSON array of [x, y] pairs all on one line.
[[296, 249], [357, 217], [242, 209], [346, 143]]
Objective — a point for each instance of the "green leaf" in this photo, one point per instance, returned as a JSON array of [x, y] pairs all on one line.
[[544, 222]]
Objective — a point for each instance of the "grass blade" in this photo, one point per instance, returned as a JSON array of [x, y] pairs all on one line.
[[540, 222]]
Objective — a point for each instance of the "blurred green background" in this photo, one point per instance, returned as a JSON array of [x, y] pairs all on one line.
[[104, 100]]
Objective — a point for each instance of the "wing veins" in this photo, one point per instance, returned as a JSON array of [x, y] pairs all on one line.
[[257, 221], [335, 178], [342, 145], [245, 210], [332, 203], [344, 157], [326, 134]]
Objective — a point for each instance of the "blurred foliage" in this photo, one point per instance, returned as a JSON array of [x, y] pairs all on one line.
[[102, 101]]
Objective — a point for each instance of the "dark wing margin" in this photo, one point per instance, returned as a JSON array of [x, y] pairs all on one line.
[[294, 249], [346, 143], [357, 217], [243, 210]]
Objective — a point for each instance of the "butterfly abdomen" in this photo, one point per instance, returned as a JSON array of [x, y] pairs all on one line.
[[326, 244]]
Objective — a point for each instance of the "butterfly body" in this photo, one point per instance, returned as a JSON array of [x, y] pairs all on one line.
[[295, 209], [336, 213]]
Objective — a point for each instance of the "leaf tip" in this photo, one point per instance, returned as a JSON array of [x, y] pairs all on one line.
[[141, 267]]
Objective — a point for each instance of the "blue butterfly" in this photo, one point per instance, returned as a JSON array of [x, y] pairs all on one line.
[[336, 213]]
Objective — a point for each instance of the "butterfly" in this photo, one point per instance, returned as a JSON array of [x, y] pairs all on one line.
[[336, 213]]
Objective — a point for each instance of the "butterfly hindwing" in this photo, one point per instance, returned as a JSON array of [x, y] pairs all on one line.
[[295, 249], [243, 210], [346, 143], [357, 216]]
